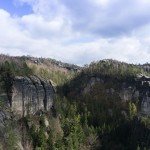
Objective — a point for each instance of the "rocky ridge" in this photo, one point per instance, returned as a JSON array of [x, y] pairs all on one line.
[[138, 90], [28, 95]]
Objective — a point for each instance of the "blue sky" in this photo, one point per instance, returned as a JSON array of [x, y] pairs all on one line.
[[76, 31], [15, 7]]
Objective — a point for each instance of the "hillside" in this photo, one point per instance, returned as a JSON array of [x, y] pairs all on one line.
[[116, 95], [47, 68], [49, 105]]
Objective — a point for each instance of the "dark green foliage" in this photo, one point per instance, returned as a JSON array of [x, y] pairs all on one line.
[[41, 139], [11, 69], [11, 137], [128, 135], [14, 69], [8, 70], [38, 138], [71, 124], [91, 113], [50, 141], [95, 92], [113, 68], [73, 131]]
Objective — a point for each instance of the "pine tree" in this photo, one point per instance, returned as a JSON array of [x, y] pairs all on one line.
[[50, 141]]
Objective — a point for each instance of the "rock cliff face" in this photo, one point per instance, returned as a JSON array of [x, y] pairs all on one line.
[[138, 90], [25, 95], [30, 94]]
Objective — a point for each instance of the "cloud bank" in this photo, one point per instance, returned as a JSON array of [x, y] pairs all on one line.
[[79, 31]]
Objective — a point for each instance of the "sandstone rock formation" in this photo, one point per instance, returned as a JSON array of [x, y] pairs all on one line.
[[138, 90], [28, 95]]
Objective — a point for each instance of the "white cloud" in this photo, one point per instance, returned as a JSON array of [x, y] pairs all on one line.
[[38, 27], [56, 30], [102, 2]]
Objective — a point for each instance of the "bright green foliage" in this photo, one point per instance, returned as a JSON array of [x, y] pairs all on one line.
[[132, 110], [57, 76], [73, 132], [138, 148], [75, 128]]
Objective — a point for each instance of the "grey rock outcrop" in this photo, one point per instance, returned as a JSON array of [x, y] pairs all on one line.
[[138, 90], [91, 83], [30, 94]]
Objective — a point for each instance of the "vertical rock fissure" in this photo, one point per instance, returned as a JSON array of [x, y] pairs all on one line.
[[30, 94], [45, 93], [23, 105], [37, 93], [53, 89], [8, 89], [45, 97]]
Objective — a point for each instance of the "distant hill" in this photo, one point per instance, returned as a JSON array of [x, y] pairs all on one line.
[[50, 69], [47, 104], [114, 93]]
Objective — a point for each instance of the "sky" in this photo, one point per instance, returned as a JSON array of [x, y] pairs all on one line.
[[76, 31]]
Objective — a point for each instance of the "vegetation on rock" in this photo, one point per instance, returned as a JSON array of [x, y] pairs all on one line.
[[88, 112]]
